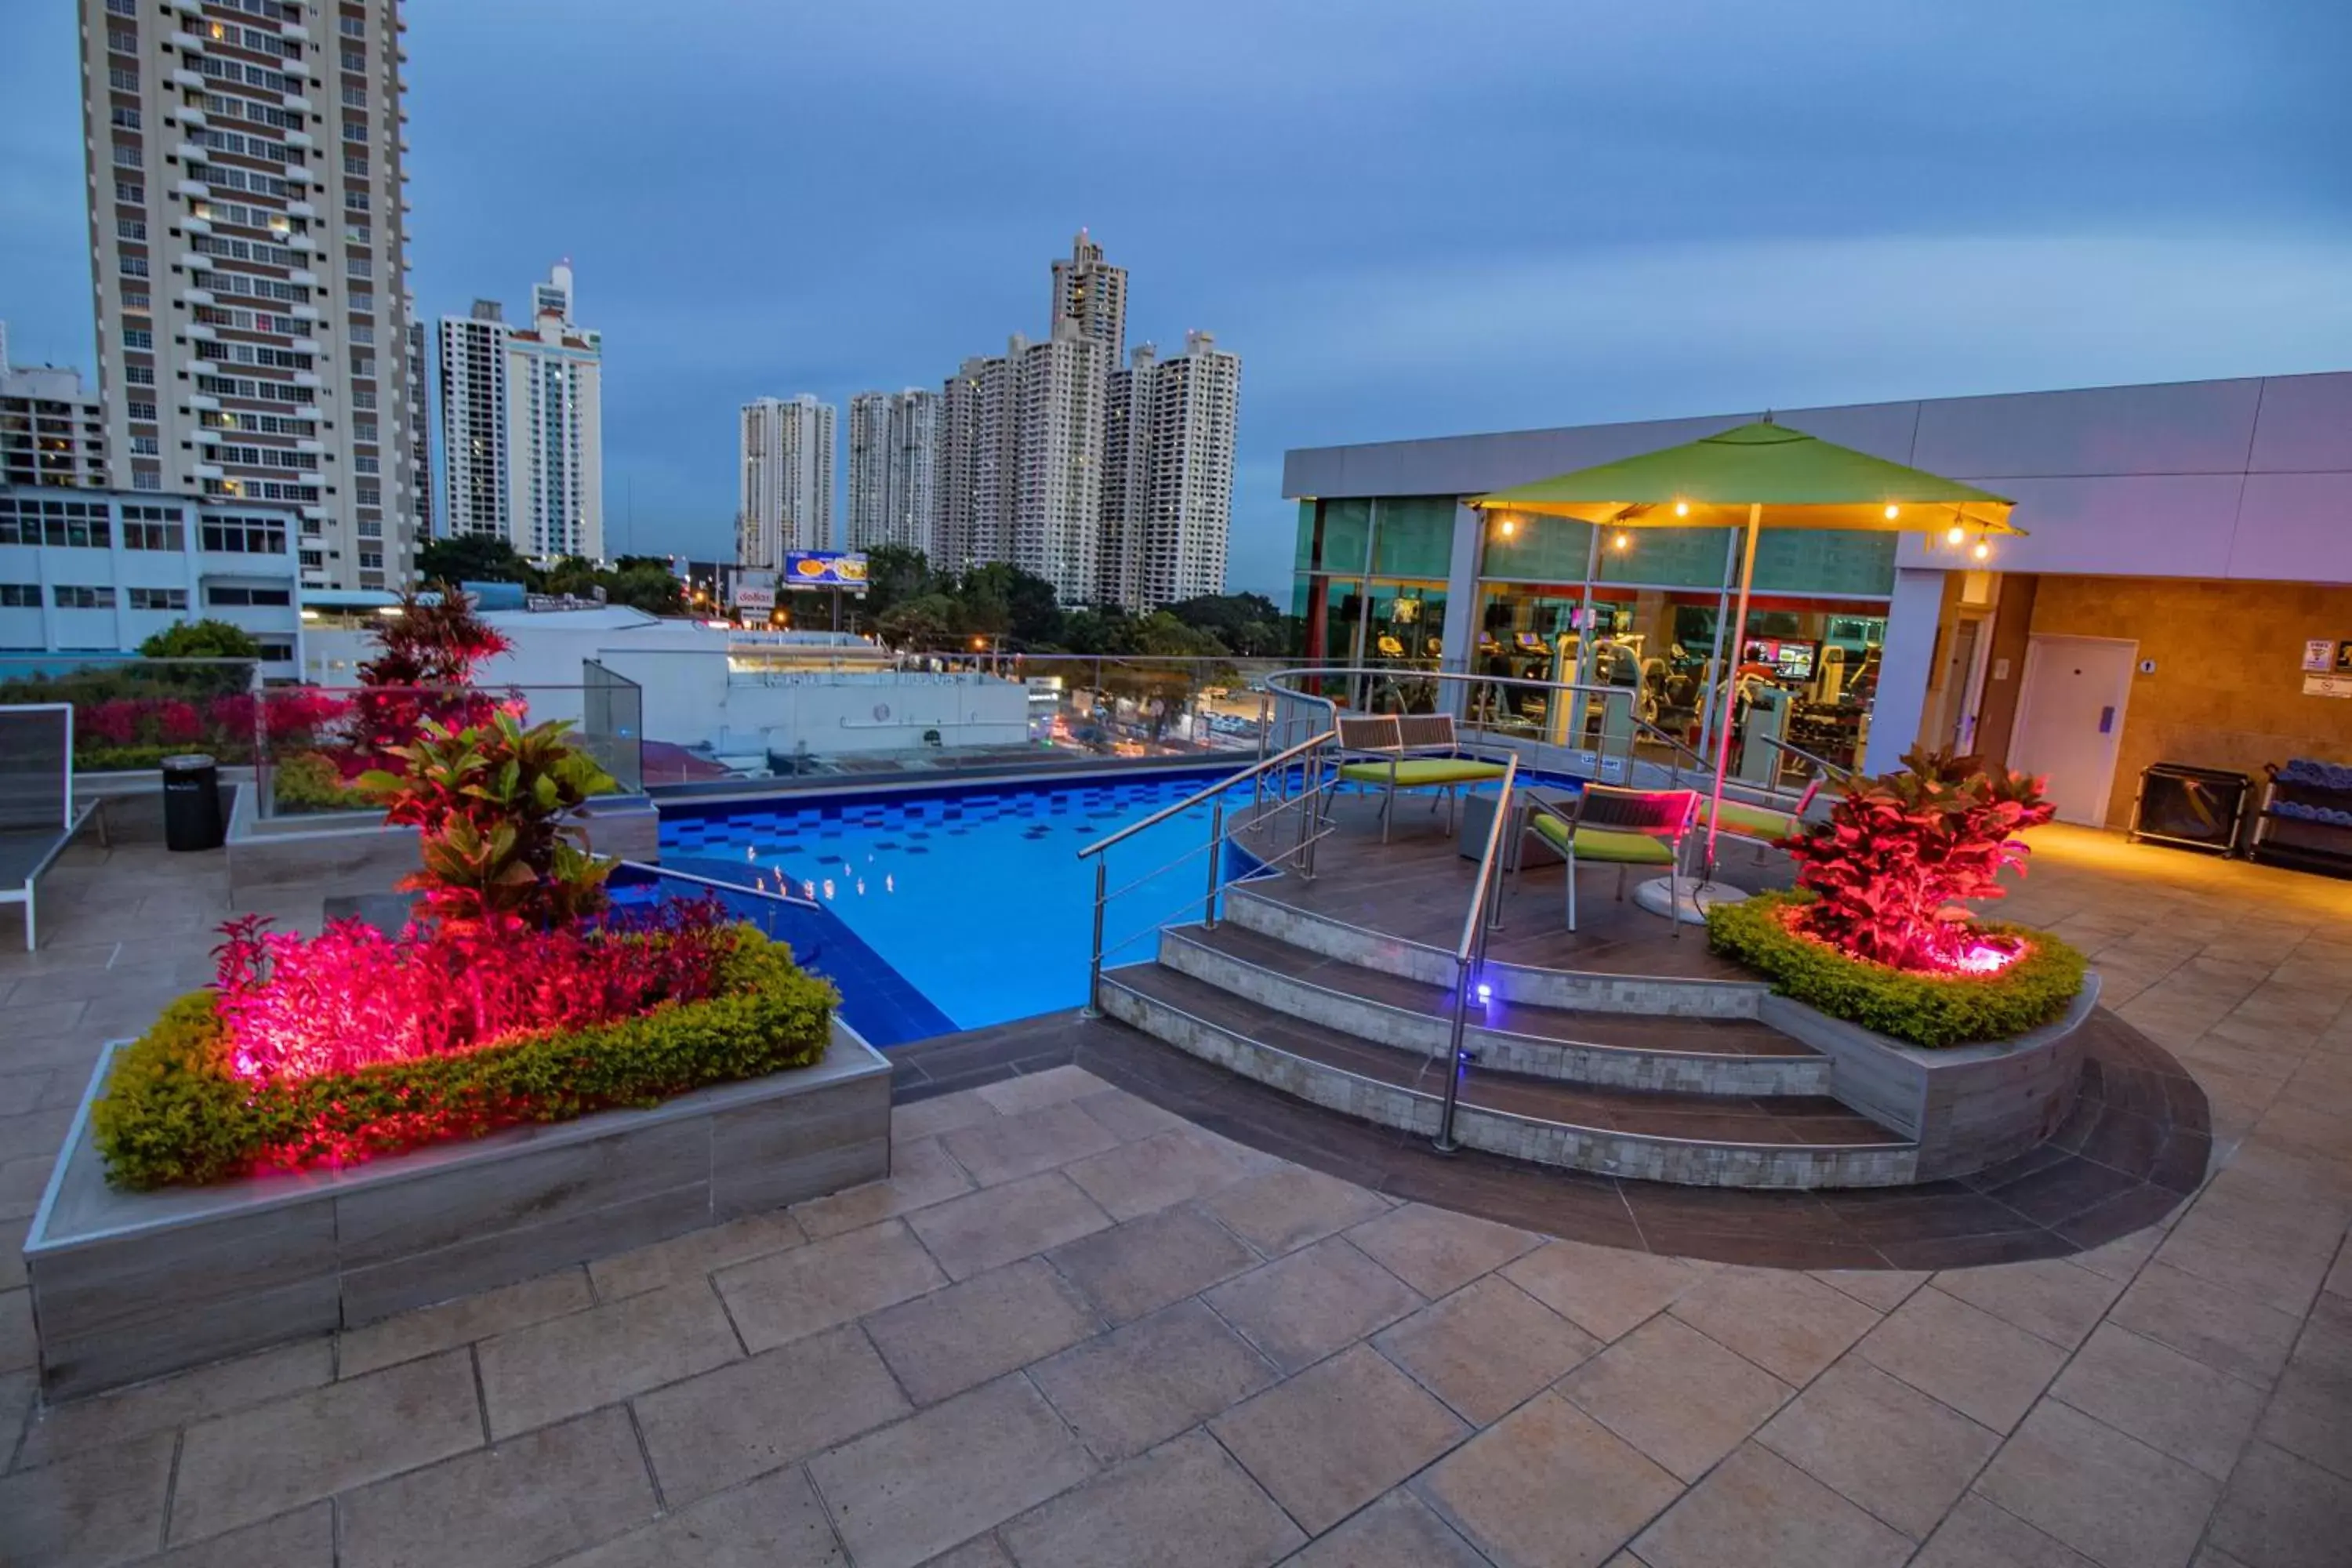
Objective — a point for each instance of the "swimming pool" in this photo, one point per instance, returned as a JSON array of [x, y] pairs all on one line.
[[958, 909]]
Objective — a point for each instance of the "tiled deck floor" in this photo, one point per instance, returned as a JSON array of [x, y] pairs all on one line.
[[1072, 1329]]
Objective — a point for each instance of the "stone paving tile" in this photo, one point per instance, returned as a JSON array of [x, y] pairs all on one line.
[[238, 1468], [1983, 1368], [174, 1402], [2310, 1412], [1881, 1289], [940, 1113], [1291, 1206], [2051, 1297], [982, 1551], [2153, 1393], [97, 1506], [1485, 1347], [561, 1367], [2209, 1322], [990, 1324], [18, 1347], [2280, 1512], [2278, 1271], [462, 1321], [1976, 1534], [776, 1521], [1013, 1096], [1398, 1532], [911, 1491], [1136, 1268], [1789, 1324], [529, 1499], [782, 1297], [921, 1174], [1337, 1435], [1165, 1168], [1676, 1395], [684, 1259], [1602, 1291], [1130, 1117], [1756, 1506], [1300, 1308], [1437, 1251], [1012, 1147], [777, 1408], [1881, 1444], [303, 1539], [1547, 1485], [2109, 1496], [1184, 1505], [986, 1229], [1140, 1384]]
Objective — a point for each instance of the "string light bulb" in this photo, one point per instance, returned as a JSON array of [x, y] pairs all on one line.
[[1983, 550], [1682, 509], [1511, 526], [1893, 512], [1955, 535], [1620, 541]]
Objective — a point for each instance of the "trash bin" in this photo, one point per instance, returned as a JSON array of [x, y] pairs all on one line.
[[192, 813]]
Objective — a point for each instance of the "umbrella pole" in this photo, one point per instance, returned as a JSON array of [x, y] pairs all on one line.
[[1731, 680], [1715, 670]]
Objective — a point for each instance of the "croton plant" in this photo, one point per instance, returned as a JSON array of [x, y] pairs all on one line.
[[1891, 867]]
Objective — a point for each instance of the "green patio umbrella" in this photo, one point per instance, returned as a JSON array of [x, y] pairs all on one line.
[[1755, 477]]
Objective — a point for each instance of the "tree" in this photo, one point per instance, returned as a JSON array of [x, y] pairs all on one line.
[[920, 624], [202, 639], [1248, 623], [473, 558], [895, 574], [645, 583], [1108, 630]]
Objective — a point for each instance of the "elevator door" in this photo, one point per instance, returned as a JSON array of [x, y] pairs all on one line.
[[2070, 720]]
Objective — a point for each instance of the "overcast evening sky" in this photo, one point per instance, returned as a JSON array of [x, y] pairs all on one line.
[[1408, 217]]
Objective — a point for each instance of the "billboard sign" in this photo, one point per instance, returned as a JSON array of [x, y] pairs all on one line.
[[754, 589], [826, 569]]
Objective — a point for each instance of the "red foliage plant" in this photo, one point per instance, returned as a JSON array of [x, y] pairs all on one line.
[[427, 654], [351, 997], [1890, 868]]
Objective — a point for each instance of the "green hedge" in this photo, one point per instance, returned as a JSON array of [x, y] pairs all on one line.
[[174, 1114], [1932, 1010]]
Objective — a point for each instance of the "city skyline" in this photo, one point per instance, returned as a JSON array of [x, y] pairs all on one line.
[[1339, 218]]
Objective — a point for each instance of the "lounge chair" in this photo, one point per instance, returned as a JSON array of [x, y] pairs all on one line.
[[1408, 750], [1619, 828], [38, 818]]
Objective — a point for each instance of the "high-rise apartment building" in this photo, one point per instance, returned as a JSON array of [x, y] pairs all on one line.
[[522, 442], [248, 243], [52, 430], [420, 420], [893, 467], [1114, 484], [1093, 293], [785, 502], [474, 424]]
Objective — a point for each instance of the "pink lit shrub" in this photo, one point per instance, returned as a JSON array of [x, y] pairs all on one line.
[[296, 1007]]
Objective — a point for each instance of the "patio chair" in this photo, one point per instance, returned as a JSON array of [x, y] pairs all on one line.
[[38, 818], [1409, 751], [1619, 828], [1761, 825]]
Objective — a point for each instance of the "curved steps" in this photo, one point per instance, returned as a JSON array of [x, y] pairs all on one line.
[[1618, 1050], [1651, 997], [1706, 1139]]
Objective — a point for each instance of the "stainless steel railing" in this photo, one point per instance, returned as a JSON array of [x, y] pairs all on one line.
[[1305, 757], [1486, 913], [779, 892], [1612, 754]]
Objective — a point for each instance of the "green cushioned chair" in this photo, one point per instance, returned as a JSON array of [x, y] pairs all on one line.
[[1619, 828], [1408, 750]]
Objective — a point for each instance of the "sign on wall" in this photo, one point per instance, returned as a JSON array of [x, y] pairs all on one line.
[[754, 588], [826, 569], [2319, 656]]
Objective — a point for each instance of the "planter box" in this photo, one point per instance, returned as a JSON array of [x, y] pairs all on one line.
[[127, 1286], [1969, 1107], [345, 852]]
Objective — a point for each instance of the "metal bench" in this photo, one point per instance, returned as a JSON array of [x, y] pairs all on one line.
[[37, 816]]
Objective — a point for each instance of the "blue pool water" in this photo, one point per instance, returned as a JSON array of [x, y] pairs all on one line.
[[957, 910]]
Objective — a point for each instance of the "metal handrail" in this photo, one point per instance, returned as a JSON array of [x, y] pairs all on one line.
[[1844, 776], [1163, 813], [1283, 683], [1470, 953]]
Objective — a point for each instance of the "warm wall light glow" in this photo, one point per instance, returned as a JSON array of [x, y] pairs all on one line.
[[1892, 512], [1682, 509]]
